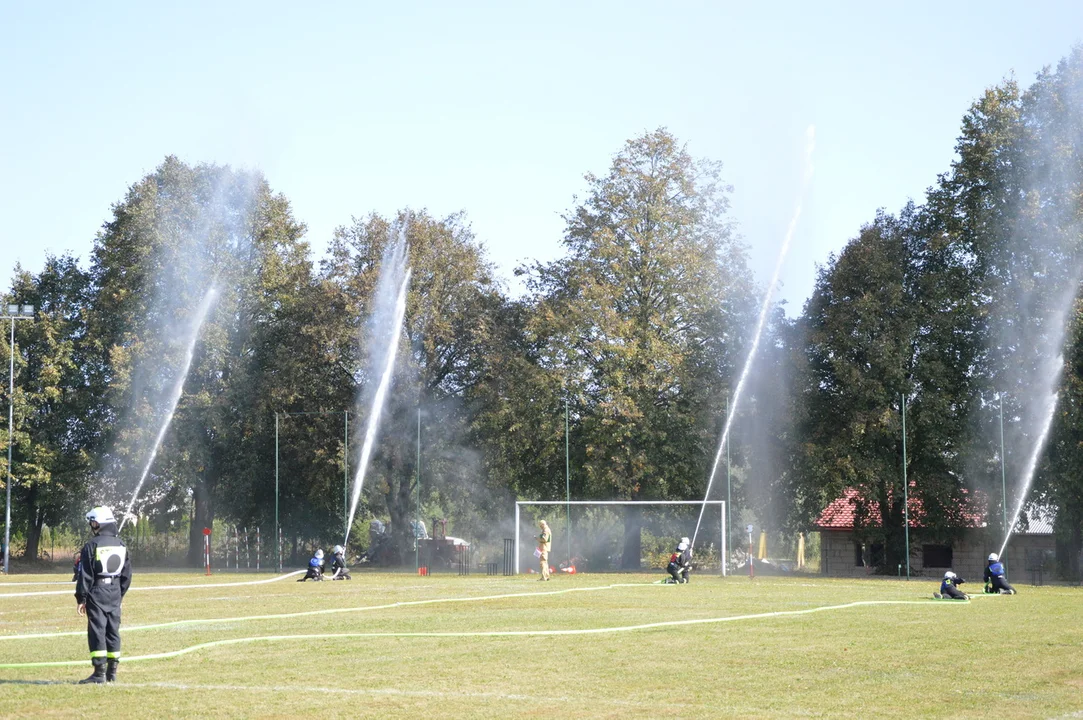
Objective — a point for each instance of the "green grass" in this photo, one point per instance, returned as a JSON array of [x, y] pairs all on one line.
[[995, 656]]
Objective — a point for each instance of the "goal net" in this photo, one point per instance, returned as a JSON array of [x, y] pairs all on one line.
[[619, 535]]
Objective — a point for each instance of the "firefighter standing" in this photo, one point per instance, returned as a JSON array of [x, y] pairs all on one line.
[[545, 544], [105, 573]]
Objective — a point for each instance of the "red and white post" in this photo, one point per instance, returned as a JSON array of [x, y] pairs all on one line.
[[207, 549]]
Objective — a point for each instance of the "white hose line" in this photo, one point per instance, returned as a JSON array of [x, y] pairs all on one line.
[[162, 587], [328, 611], [486, 634], [379, 691]]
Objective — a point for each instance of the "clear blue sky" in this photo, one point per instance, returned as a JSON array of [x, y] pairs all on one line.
[[498, 108]]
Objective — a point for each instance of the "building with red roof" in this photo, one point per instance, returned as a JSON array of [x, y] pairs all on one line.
[[1030, 550]]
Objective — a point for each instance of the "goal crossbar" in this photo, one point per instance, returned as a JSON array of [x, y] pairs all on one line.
[[720, 503]]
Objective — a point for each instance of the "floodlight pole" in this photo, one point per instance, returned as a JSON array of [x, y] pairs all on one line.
[[1003, 477], [728, 518], [417, 495], [26, 312], [278, 534], [567, 484], [346, 472], [906, 488]]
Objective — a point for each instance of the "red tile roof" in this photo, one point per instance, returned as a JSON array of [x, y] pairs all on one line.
[[840, 513]]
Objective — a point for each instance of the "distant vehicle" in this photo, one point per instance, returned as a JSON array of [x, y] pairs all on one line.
[[442, 550]]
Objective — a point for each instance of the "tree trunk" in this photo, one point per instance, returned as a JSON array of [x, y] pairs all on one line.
[[33, 532], [633, 538], [399, 506], [202, 517]]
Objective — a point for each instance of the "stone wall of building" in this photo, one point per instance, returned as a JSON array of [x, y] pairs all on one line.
[[838, 557]]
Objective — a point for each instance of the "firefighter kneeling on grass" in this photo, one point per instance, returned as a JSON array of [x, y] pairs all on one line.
[[949, 588], [338, 564], [104, 574], [315, 567], [680, 563], [995, 579]]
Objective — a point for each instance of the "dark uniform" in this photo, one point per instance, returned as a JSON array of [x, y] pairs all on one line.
[[995, 580], [680, 564], [949, 587], [315, 568], [339, 571], [105, 573]]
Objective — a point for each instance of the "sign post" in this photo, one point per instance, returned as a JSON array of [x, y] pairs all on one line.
[[207, 549]]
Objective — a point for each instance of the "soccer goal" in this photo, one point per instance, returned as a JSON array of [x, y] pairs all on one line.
[[602, 536]]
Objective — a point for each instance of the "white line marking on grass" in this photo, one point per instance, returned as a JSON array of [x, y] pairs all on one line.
[[329, 611], [488, 634], [163, 587], [393, 692]]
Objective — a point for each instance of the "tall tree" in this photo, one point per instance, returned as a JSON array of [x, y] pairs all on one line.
[[52, 398], [640, 320], [444, 356], [177, 233]]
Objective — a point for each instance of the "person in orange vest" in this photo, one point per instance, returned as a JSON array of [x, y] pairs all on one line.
[[545, 544]]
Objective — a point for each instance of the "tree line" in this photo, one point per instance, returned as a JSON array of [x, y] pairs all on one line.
[[636, 335]]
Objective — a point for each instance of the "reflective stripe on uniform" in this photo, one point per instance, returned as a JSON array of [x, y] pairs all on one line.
[[97, 653], [110, 558], [113, 655]]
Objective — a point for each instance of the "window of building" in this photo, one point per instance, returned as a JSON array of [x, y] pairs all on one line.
[[868, 554], [937, 556]]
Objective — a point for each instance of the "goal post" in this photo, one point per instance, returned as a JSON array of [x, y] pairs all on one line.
[[563, 536]]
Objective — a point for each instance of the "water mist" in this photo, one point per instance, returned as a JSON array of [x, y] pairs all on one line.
[[178, 389], [385, 326], [810, 144]]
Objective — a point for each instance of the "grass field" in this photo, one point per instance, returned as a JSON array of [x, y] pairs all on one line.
[[897, 653]]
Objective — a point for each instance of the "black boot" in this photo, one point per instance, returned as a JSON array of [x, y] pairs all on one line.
[[111, 670], [97, 677]]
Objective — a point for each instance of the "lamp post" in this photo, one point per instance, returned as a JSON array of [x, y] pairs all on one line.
[[15, 312]]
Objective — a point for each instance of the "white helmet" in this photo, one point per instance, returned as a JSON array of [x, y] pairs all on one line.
[[319, 553], [993, 557], [682, 546], [949, 575], [337, 550], [686, 541], [101, 515]]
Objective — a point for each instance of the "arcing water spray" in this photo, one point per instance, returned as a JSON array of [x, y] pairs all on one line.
[[178, 389], [393, 264], [810, 144], [1032, 462]]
